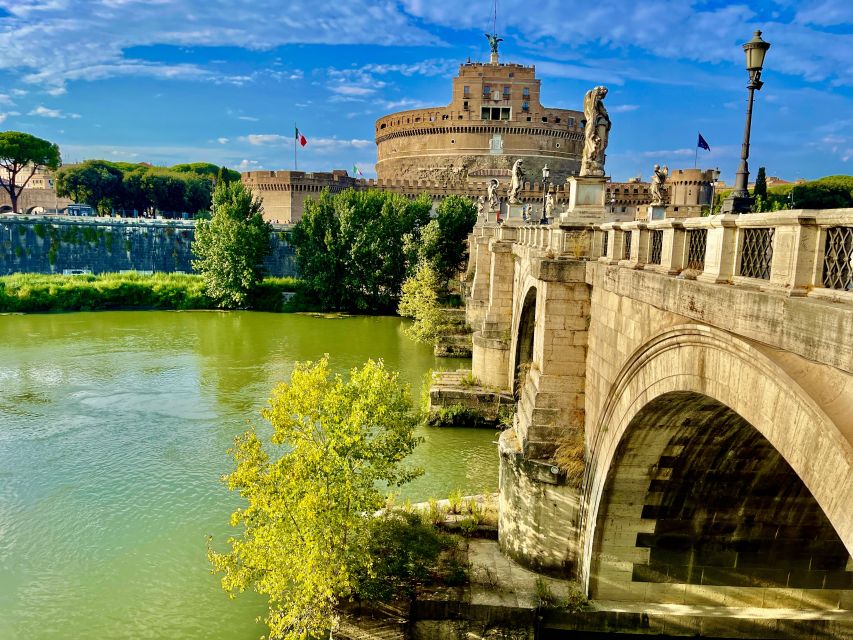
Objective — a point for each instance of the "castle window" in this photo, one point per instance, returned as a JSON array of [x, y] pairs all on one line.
[[525, 106], [418, 119], [465, 105], [511, 74], [487, 91], [528, 118], [382, 126], [525, 92], [544, 118], [558, 145], [557, 120], [506, 92], [466, 91], [571, 122]]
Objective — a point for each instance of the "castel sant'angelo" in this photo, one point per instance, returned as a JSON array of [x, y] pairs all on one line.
[[494, 118]]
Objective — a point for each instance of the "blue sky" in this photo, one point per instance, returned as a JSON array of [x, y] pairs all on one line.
[[168, 81]]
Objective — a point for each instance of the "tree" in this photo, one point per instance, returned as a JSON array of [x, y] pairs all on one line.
[[232, 245], [760, 189], [304, 541], [94, 182], [351, 247], [445, 239], [420, 301], [22, 154]]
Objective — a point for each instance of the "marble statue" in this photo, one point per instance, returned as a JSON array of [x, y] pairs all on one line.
[[657, 188], [481, 209], [494, 201], [493, 41], [549, 204], [516, 183], [596, 132]]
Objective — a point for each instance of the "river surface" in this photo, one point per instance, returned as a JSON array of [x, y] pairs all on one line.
[[114, 431]]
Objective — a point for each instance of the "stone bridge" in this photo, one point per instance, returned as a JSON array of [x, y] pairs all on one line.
[[34, 201], [684, 426]]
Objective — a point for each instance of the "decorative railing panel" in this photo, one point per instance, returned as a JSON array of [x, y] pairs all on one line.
[[757, 252], [697, 241], [838, 259], [604, 243], [626, 245], [655, 247]]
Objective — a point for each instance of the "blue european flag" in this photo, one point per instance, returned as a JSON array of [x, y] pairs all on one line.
[[702, 143]]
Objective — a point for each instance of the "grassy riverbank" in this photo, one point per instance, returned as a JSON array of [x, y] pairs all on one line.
[[34, 293]]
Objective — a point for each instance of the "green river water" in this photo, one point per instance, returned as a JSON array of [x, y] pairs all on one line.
[[114, 431]]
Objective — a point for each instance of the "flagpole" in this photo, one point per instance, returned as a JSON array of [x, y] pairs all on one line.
[[696, 153], [295, 142]]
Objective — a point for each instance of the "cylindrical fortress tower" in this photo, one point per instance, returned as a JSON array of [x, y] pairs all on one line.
[[494, 118]]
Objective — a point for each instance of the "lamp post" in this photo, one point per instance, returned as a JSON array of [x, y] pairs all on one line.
[[714, 183], [546, 173], [739, 200]]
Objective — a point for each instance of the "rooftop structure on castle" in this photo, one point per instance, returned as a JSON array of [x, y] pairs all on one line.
[[494, 117]]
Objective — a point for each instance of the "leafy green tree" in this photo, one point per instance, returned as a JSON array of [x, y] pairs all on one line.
[[232, 245], [831, 192], [165, 190], [302, 540], [197, 194], [21, 155], [133, 195], [208, 170], [351, 247], [445, 238], [420, 301], [760, 189], [94, 182]]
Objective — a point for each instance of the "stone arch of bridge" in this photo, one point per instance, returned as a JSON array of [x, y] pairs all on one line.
[[6, 208], [523, 337], [34, 210], [711, 372]]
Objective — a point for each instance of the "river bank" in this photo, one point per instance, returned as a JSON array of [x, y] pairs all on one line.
[[39, 293]]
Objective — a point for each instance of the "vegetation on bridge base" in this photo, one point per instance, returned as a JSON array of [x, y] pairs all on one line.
[[36, 293]]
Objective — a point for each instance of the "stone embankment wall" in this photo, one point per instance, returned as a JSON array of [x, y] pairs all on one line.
[[53, 244]]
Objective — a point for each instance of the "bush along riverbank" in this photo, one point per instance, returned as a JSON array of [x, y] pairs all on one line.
[[37, 293]]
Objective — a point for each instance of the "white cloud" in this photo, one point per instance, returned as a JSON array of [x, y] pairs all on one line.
[[248, 165], [44, 112], [61, 40], [8, 114], [222, 140], [248, 118], [258, 139], [623, 108]]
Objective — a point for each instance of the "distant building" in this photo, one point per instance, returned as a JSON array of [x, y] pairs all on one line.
[[494, 117]]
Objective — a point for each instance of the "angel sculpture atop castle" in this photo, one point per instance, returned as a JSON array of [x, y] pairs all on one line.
[[493, 41], [516, 182], [596, 132], [657, 189]]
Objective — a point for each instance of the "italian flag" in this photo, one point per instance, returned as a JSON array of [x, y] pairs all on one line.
[[302, 140], [357, 172]]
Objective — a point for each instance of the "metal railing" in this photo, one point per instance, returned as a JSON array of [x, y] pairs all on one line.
[[656, 246], [697, 242], [838, 259], [756, 255], [626, 245]]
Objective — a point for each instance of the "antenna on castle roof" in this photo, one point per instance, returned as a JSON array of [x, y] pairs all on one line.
[[493, 36]]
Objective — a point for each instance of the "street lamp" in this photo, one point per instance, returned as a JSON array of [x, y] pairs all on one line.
[[739, 200], [546, 173]]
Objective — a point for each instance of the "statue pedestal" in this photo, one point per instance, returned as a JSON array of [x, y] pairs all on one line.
[[586, 199], [515, 214], [656, 212]]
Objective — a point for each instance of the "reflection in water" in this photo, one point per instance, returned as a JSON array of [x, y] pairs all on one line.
[[114, 429]]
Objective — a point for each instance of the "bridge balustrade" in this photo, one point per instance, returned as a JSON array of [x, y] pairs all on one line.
[[795, 252]]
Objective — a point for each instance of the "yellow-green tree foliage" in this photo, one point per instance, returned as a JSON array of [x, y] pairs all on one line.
[[303, 532], [421, 301]]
